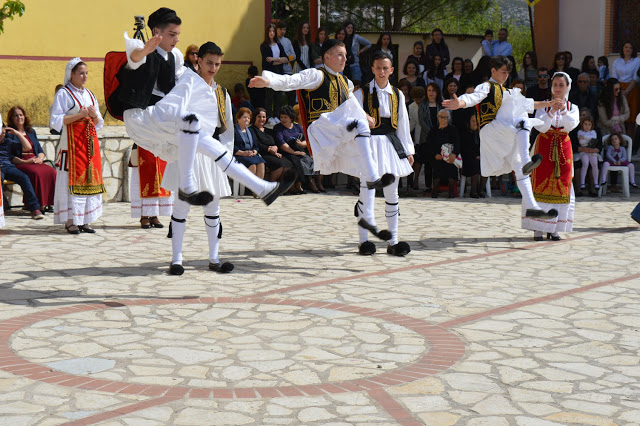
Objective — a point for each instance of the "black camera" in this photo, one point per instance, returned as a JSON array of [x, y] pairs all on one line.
[[138, 26]]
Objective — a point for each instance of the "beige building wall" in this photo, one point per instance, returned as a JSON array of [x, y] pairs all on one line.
[[581, 28], [36, 47]]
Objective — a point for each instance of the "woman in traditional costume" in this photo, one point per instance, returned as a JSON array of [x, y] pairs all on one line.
[[79, 185], [551, 181]]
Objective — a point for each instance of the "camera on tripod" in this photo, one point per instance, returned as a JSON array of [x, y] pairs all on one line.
[[138, 26]]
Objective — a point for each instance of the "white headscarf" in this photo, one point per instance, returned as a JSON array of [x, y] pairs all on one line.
[[566, 94], [67, 70]]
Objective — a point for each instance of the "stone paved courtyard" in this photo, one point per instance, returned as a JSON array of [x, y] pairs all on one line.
[[478, 325]]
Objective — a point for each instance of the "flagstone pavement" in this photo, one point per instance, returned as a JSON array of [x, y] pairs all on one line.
[[478, 325]]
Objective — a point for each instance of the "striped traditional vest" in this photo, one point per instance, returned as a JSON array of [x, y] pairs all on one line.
[[331, 93]]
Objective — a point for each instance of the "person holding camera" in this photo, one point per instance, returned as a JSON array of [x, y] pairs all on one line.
[[289, 137]]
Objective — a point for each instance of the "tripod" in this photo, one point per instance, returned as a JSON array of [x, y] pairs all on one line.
[[138, 27]]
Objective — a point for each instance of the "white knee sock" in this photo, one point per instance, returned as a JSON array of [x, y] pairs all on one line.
[[188, 143], [522, 139], [236, 171], [364, 208], [368, 169], [214, 228], [526, 190], [178, 227], [392, 210]]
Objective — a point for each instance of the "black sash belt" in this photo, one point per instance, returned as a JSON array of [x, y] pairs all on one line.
[[387, 130]]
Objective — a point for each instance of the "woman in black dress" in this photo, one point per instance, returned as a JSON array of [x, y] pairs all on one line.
[[445, 136], [267, 147]]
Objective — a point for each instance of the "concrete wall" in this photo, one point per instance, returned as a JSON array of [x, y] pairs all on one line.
[[36, 47], [581, 28], [115, 149]]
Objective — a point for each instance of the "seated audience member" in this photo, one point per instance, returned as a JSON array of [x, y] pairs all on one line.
[[583, 97], [435, 72], [443, 146], [191, 57], [9, 171], [519, 83], [457, 68], [256, 95], [419, 55], [289, 137], [588, 138], [239, 99], [529, 71], [579, 150], [616, 154], [245, 144], [613, 109], [542, 91], [29, 157], [268, 149], [470, 152], [405, 87], [428, 120], [410, 70]]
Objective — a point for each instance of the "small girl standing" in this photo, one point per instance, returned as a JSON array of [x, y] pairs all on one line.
[[588, 138], [603, 68], [616, 155]]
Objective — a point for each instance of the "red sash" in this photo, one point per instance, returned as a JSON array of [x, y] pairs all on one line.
[[551, 180], [303, 119], [150, 171], [85, 163]]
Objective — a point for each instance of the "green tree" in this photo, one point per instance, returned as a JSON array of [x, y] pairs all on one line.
[[397, 15], [9, 11]]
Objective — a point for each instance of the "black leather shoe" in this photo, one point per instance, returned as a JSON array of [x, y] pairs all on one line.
[[385, 180], [196, 198], [155, 222], [223, 268], [367, 248], [384, 235], [537, 238], [87, 229], [552, 237], [541, 214], [400, 249], [176, 269], [536, 160], [72, 229], [287, 179]]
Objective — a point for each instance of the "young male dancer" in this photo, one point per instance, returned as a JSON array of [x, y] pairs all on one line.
[[338, 128], [504, 131], [392, 150], [207, 176], [178, 125]]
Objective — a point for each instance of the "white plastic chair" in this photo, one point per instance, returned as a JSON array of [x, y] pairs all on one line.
[[237, 188], [624, 169], [463, 182]]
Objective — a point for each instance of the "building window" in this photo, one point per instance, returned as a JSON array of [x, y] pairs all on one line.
[[625, 24]]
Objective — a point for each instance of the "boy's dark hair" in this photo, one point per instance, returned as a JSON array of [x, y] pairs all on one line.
[[281, 24], [488, 32], [500, 61], [209, 48], [379, 54], [162, 17], [252, 71]]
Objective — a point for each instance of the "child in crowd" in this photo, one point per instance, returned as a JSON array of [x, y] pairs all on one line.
[[487, 43], [603, 68], [616, 155], [587, 137], [239, 99]]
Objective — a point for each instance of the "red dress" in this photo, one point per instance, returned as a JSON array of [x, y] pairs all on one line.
[[42, 176]]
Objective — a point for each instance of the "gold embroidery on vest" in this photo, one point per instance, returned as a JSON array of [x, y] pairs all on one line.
[[375, 112], [488, 108], [221, 97], [334, 90]]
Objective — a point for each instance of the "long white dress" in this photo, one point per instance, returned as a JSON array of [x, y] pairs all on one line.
[[565, 121], [333, 147], [384, 154], [498, 148], [82, 209]]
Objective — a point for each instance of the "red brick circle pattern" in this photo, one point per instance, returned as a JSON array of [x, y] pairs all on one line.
[[444, 350]]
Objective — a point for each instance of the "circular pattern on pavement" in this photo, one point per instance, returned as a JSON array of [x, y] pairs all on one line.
[[244, 347]]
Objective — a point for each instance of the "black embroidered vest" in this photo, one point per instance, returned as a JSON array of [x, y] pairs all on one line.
[[488, 108], [371, 107], [136, 86], [331, 93]]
